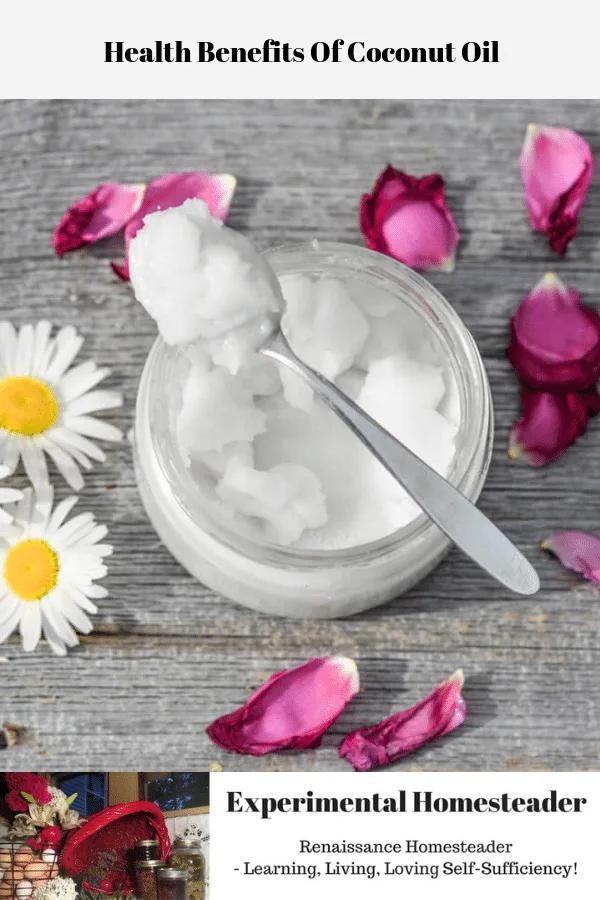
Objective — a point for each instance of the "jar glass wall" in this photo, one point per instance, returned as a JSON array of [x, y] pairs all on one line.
[[300, 582]]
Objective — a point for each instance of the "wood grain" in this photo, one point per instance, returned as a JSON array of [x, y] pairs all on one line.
[[167, 656]]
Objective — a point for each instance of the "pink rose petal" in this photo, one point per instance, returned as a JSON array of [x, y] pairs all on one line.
[[121, 271], [172, 190], [557, 168], [577, 551], [550, 423], [397, 736], [98, 215], [555, 338], [407, 218], [291, 711]]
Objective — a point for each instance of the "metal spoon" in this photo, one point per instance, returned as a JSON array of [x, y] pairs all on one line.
[[458, 518]]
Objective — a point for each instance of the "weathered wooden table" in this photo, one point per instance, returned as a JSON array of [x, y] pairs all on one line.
[[167, 656]]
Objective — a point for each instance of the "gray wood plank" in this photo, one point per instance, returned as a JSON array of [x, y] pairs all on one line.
[[167, 657]]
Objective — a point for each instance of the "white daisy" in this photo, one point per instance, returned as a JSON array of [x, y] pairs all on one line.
[[45, 403], [7, 495], [48, 566]]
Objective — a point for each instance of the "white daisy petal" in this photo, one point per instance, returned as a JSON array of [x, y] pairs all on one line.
[[8, 605], [42, 347], [73, 442], [75, 539], [61, 511], [9, 535], [11, 452], [94, 402], [9, 622], [68, 344], [10, 495], [24, 510], [80, 379], [56, 644], [5, 518], [7, 495], [53, 616], [65, 465], [84, 602], [93, 570], [24, 357], [83, 521], [95, 591], [80, 458], [42, 511], [34, 462], [75, 614], [99, 532], [94, 428], [103, 549], [30, 625]]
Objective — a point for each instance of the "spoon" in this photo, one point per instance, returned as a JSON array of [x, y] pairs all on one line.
[[457, 517]]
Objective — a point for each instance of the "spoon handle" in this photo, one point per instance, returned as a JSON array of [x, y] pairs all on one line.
[[458, 518]]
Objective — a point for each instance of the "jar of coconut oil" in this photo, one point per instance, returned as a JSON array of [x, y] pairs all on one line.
[[244, 518]]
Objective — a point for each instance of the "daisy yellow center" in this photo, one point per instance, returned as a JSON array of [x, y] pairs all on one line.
[[31, 569], [27, 405]]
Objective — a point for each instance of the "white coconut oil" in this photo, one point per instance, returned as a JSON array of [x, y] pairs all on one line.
[[261, 491]]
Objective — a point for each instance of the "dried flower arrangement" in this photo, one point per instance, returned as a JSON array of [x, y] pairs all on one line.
[[29, 852]]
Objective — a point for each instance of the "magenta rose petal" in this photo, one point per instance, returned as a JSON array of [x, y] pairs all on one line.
[[577, 551], [172, 190], [442, 711], [121, 270], [555, 338], [550, 423], [556, 168], [407, 218], [291, 711], [103, 212]]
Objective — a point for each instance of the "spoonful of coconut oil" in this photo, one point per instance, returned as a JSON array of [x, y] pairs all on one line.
[[239, 316]]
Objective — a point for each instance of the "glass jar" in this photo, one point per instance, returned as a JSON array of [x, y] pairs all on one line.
[[172, 884], [309, 583], [188, 855], [145, 878], [146, 850]]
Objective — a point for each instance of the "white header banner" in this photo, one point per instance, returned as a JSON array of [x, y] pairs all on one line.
[[267, 49], [397, 834]]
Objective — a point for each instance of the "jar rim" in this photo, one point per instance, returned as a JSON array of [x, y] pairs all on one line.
[[174, 874], [475, 403]]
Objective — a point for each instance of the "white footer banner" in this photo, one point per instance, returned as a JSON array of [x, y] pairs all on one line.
[[279, 835]]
